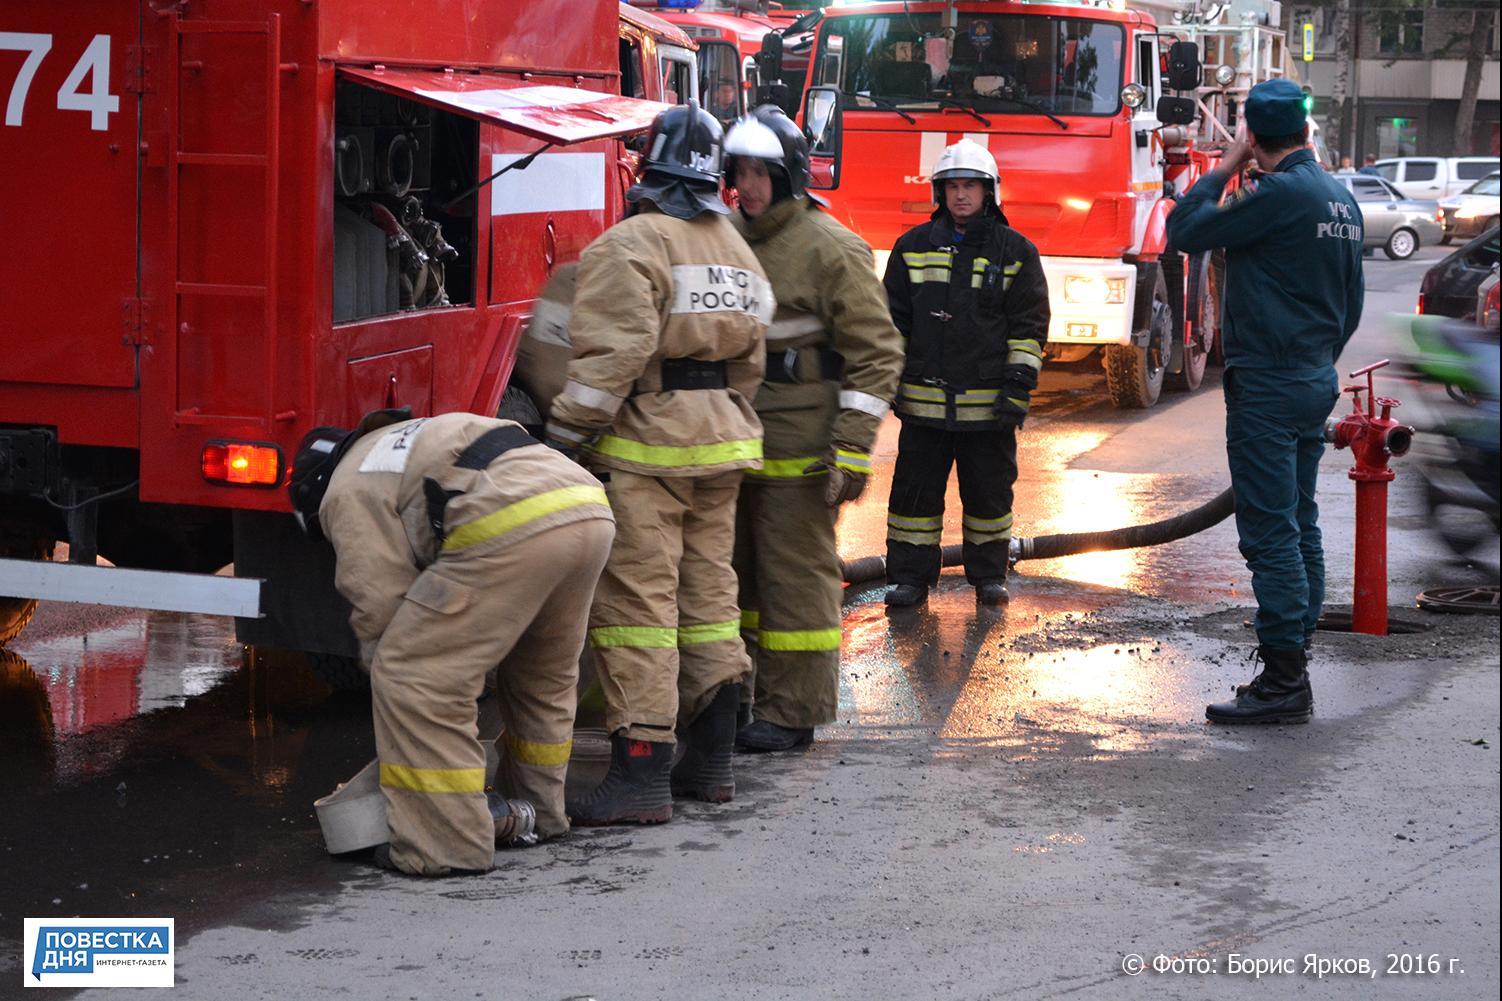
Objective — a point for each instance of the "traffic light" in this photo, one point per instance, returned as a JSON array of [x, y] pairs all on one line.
[[1308, 100]]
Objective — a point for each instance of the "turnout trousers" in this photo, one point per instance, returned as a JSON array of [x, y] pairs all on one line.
[[790, 593], [1274, 439], [987, 464], [523, 607], [665, 625]]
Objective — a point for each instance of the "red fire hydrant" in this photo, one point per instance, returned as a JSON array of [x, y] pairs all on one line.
[[1372, 440]]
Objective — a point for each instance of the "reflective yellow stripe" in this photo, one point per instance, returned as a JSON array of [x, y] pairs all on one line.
[[987, 524], [934, 410], [787, 469], [933, 394], [1025, 358], [1012, 269], [678, 456], [800, 639], [461, 780], [709, 632], [535, 752], [916, 524], [1031, 347], [982, 538], [979, 413], [513, 516], [980, 264], [639, 637], [856, 462], [915, 538], [923, 259], [975, 280], [972, 396], [918, 277]]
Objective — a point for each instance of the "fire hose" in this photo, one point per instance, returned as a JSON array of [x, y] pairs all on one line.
[[1043, 547]]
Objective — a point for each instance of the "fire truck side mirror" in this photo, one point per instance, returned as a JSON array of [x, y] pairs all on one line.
[[1184, 70], [1175, 110], [824, 122]]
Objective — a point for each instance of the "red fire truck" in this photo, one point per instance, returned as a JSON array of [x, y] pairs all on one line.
[[1096, 117], [261, 216], [730, 35]]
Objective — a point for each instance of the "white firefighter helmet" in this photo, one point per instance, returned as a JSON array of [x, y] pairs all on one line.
[[966, 158]]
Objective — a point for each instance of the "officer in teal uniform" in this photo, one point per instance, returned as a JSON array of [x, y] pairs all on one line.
[[1293, 298]]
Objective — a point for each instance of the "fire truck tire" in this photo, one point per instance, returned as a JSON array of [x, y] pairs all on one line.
[[15, 613], [517, 406], [1134, 374], [1199, 306], [342, 674]]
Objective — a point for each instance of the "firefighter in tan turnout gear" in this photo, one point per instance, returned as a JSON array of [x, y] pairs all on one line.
[[668, 318], [463, 543], [833, 358]]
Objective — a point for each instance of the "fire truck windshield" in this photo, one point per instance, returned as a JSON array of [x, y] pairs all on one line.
[[992, 63]]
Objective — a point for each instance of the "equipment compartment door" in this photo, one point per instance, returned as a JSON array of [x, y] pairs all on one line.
[[69, 91]]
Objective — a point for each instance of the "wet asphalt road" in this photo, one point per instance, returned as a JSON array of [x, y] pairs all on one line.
[[1011, 804]]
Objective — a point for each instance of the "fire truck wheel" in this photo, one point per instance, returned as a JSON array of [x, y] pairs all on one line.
[[1199, 307], [1134, 375], [342, 674], [15, 613], [517, 406]]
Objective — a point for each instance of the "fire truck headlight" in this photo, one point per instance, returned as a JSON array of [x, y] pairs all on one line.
[[1225, 75], [1090, 290], [1133, 95]]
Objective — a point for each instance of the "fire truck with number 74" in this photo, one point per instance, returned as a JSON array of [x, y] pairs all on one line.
[[261, 216]]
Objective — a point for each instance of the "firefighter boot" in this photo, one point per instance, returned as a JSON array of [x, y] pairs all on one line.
[[764, 735], [991, 592], [907, 595], [635, 788], [1279, 694], [705, 771]]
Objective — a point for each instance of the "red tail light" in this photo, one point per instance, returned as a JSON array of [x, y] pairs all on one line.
[[242, 464], [1419, 309]]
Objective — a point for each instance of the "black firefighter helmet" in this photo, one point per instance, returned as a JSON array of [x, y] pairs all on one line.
[[680, 172], [768, 134], [317, 457]]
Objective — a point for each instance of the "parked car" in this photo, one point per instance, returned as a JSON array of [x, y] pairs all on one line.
[[1396, 224], [1452, 287], [1436, 177], [1474, 210]]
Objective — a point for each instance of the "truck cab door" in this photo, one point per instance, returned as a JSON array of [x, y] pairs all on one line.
[[1146, 147]]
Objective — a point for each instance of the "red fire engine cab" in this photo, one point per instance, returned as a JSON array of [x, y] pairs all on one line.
[[264, 216], [1096, 118], [730, 34]]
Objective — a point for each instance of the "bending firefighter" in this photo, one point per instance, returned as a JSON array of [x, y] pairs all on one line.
[[833, 358], [969, 294], [666, 331], [462, 543], [1294, 292]]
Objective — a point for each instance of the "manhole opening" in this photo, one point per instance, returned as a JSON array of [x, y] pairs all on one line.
[[1340, 622], [1462, 600]]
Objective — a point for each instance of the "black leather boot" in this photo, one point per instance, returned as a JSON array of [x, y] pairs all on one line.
[[906, 595], [634, 791], [708, 742], [991, 592], [764, 735], [1280, 694]]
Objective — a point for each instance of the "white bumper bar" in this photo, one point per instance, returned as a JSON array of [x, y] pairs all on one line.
[[203, 594]]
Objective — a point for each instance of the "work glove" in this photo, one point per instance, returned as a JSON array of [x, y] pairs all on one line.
[[1015, 395], [848, 470]]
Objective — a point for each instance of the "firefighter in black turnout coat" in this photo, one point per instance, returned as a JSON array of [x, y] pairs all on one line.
[[969, 296]]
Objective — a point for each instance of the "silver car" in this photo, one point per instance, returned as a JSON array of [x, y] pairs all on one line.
[[1396, 224]]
